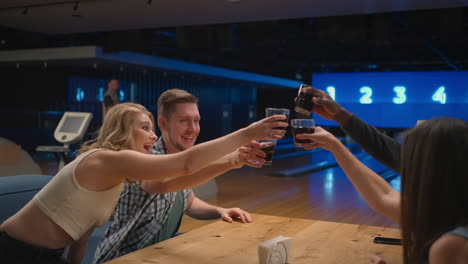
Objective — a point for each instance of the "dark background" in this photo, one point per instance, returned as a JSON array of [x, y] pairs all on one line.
[[422, 40]]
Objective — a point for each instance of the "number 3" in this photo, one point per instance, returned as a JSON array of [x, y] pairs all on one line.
[[400, 94]]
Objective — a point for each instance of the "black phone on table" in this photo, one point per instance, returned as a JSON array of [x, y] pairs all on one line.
[[387, 240]]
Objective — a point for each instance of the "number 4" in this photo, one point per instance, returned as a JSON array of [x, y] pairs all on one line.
[[440, 95]]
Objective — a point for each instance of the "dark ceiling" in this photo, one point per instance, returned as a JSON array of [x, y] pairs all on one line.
[[433, 39]]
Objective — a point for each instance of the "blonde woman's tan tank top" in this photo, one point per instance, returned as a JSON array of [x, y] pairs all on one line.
[[72, 207]]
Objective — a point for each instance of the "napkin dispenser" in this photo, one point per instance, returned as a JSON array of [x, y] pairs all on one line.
[[275, 251]]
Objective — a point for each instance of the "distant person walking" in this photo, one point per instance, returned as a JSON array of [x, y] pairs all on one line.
[[111, 97]]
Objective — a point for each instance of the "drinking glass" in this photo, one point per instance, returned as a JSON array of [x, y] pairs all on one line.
[[302, 126]]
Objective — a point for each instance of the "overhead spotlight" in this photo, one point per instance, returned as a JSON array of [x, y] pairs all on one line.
[[76, 6], [25, 10], [148, 2]]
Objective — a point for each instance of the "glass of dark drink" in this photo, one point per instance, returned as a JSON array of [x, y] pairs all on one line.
[[268, 146], [302, 126], [304, 104], [277, 111]]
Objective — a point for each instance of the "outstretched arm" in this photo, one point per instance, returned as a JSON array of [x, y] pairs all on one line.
[[375, 190], [104, 169], [244, 155], [378, 145]]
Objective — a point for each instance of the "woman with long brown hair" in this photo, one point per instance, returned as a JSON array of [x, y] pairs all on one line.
[[433, 206], [83, 194]]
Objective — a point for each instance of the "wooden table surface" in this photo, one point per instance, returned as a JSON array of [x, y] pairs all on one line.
[[312, 242]]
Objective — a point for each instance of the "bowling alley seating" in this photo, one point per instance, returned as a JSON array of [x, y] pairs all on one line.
[[17, 190]]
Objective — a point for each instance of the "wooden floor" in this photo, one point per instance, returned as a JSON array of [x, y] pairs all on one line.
[[325, 195]]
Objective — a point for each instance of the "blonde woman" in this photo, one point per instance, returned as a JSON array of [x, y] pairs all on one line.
[[83, 194]]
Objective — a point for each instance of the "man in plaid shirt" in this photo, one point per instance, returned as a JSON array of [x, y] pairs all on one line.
[[150, 211]]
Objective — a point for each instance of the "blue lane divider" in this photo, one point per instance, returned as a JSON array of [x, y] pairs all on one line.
[[282, 141], [313, 167], [283, 146], [294, 154], [300, 151]]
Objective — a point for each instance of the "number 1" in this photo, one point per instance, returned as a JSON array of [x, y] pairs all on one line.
[[332, 92]]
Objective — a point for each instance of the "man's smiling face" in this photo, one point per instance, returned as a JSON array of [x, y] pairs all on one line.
[[181, 128]]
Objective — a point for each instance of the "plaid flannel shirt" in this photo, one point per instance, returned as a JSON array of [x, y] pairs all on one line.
[[138, 217]]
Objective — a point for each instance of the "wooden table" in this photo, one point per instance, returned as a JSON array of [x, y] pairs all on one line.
[[313, 242]]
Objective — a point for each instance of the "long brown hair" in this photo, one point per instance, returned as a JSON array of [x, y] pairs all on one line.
[[116, 131], [434, 196]]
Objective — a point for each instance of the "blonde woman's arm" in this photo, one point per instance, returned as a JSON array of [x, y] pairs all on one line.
[[245, 155], [104, 169]]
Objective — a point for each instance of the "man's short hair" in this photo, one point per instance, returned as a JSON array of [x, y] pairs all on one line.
[[168, 99], [112, 79]]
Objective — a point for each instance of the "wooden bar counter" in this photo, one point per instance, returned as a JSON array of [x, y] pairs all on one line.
[[312, 242]]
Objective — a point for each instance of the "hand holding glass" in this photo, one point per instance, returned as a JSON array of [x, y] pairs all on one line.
[[304, 102], [302, 126], [268, 146], [277, 111]]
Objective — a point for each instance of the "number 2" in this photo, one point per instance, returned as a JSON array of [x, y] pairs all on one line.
[[366, 97]]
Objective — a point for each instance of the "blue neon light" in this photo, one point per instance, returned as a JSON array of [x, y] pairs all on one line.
[[400, 94], [332, 92], [122, 96], [440, 95], [397, 99], [366, 97], [101, 94], [79, 94]]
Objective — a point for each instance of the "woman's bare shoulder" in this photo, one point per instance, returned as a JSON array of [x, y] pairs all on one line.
[[449, 248]]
